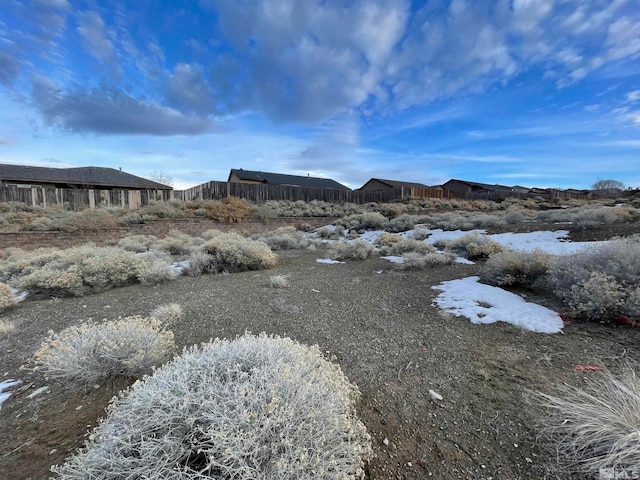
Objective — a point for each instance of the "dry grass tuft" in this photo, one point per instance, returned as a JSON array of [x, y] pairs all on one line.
[[597, 426], [6, 328]]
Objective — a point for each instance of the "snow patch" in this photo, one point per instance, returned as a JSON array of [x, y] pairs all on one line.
[[37, 392], [393, 258], [327, 261], [3, 386], [487, 304]]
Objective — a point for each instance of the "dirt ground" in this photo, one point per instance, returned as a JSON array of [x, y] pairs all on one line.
[[384, 332]]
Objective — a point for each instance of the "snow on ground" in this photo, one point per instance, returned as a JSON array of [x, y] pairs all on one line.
[[486, 304], [393, 258], [37, 392], [3, 386], [327, 261], [550, 242]]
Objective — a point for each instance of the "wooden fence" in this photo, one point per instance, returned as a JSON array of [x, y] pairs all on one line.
[[80, 199], [548, 195]]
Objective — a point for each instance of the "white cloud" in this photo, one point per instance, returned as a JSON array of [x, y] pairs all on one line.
[[91, 28], [633, 96]]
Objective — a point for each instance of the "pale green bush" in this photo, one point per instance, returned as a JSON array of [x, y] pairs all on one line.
[[283, 238], [406, 245], [598, 297], [86, 354], [89, 220], [595, 426], [233, 252], [424, 260], [80, 270], [517, 268], [330, 232], [356, 250], [364, 221], [608, 273], [400, 224], [137, 243], [199, 263], [471, 246], [253, 408]]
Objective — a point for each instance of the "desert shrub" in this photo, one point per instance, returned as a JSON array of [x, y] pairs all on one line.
[[279, 281], [86, 354], [80, 270], [631, 307], [517, 268], [233, 252], [256, 407], [42, 224], [89, 220], [596, 426], [230, 210], [420, 234], [471, 246], [364, 221], [158, 272], [400, 224], [161, 210], [283, 238], [387, 239], [6, 328], [598, 297], [7, 299], [514, 217], [356, 250], [608, 272], [422, 261], [392, 210], [168, 314], [199, 263], [330, 232], [132, 218], [176, 243], [406, 245], [137, 243]]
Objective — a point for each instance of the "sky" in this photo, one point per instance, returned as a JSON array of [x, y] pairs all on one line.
[[519, 92]]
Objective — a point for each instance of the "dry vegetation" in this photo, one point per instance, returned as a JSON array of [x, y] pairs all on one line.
[[263, 386]]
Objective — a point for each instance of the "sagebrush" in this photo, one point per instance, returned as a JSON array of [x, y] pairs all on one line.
[[91, 352], [252, 408]]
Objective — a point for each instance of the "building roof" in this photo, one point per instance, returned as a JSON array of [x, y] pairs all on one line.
[[98, 176], [282, 179], [397, 183], [485, 186]]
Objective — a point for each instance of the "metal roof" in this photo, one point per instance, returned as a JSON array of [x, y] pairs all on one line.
[[98, 176], [282, 179]]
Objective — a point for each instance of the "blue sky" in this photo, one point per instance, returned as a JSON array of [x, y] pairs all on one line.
[[537, 93]]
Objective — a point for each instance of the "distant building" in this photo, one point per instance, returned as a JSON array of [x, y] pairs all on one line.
[[376, 184], [462, 188], [99, 178], [266, 178]]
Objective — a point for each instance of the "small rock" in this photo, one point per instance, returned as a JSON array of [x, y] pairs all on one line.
[[386, 441], [54, 450], [409, 464], [79, 407], [528, 460], [96, 386]]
